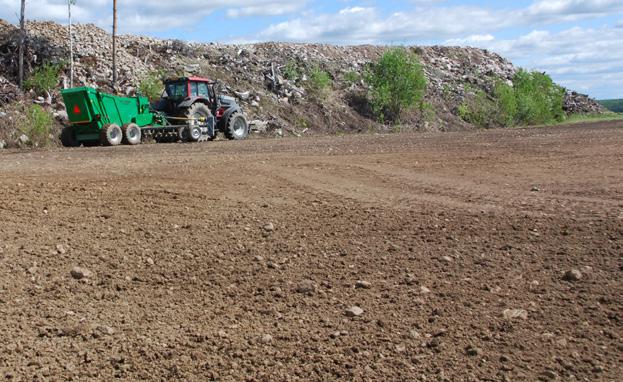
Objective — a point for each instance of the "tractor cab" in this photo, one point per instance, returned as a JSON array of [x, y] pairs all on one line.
[[180, 93]]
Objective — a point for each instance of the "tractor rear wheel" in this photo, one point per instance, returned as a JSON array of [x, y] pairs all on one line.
[[197, 114], [111, 135], [237, 127], [131, 134], [68, 139]]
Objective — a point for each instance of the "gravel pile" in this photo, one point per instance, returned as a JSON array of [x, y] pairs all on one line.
[[258, 75]]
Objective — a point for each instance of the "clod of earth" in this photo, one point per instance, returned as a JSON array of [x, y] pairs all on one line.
[[511, 314], [80, 273], [306, 287], [360, 284], [354, 311], [473, 351], [572, 275]]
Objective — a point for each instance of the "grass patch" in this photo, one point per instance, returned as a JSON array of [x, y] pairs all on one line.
[[351, 77], [292, 71], [36, 124], [579, 118], [320, 83]]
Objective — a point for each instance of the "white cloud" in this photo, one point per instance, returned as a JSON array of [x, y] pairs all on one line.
[[578, 57], [470, 40], [587, 59], [569, 10], [432, 22], [146, 15], [364, 25], [266, 8]]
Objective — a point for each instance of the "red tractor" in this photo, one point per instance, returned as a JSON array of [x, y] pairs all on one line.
[[195, 100]]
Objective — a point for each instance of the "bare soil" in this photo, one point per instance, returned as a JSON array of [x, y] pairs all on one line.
[[236, 261]]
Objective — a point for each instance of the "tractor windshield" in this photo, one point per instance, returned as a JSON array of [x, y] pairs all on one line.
[[177, 90]]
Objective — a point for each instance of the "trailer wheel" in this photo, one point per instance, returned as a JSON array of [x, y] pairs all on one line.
[[68, 139], [111, 135], [237, 127], [131, 134]]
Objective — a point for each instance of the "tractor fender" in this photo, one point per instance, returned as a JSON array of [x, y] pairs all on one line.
[[231, 111], [236, 109], [188, 102]]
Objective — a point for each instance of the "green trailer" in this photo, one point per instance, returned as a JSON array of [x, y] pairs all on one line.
[[100, 118]]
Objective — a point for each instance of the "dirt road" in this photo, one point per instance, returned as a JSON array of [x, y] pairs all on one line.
[[237, 261]]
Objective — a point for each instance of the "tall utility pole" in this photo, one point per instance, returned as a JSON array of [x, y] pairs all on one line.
[[114, 45], [71, 45], [22, 32]]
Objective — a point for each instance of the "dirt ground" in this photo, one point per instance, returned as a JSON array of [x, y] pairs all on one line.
[[243, 261]]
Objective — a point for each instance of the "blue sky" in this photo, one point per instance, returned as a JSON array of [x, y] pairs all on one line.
[[579, 42]]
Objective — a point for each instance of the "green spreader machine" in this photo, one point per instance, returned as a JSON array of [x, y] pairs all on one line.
[[97, 118]]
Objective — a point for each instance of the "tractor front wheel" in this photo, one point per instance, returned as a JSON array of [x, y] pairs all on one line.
[[111, 135], [195, 133], [197, 114], [131, 134], [183, 133], [237, 127]]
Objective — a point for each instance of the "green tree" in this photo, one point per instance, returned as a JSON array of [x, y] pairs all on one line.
[[397, 82], [532, 99], [506, 102], [151, 85], [44, 78], [539, 99]]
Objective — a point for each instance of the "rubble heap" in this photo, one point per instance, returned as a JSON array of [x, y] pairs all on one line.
[[257, 74], [9, 92], [576, 103]]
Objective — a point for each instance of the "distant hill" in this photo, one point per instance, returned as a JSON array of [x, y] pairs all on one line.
[[615, 105]]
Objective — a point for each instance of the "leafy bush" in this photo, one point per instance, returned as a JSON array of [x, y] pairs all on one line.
[[532, 99], [351, 77], [397, 82], [291, 71], [539, 99], [320, 82], [506, 102], [151, 85], [36, 124], [478, 109], [44, 78]]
